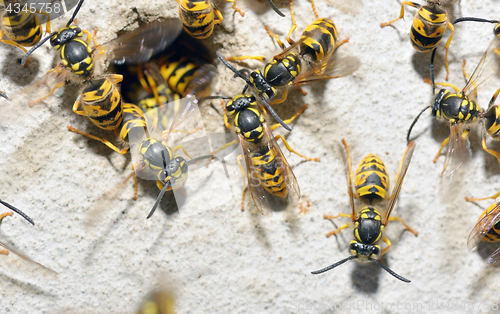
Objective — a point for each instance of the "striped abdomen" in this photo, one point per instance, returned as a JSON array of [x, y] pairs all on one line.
[[371, 179], [492, 121], [429, 25], [198, 17], [319, 39], [102, 103], [493, 234], [455, 107], [269, 172], [178, 71], [24, 28], [133, 122]]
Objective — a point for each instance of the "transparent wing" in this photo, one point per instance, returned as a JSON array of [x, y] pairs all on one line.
[[186, 117], [348, 172], [488, 66], [24, 257], [494, 258], [329, 68], [258, 193], [139, 45], [457, 156], [199, 86], [483, 226], [289, 178], [403, 167]]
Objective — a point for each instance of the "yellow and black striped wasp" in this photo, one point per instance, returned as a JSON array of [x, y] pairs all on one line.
[[370, 189], [317, 44], [487, 228], [200, 16], [21, 25], [266, 166], [156, 152], [429, 24], [461, 110], [158, 302], [78, 57]]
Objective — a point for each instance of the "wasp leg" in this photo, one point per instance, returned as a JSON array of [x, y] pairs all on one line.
[[402, 13], [2, 216], [58, 85], [294, 25], [176, 148], [447, 47], [243, 175], [218, 15], [314, 9], [392, 218], [473, 199], [490, 151], [235, 8], [283, 97], [290, 149], [258, 58], [388, 242], [135, 182], [275, 37], [443, 144], [457, 90], [104, 141], [338, 230]]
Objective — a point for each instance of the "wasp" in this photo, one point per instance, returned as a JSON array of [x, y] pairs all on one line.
[[461, 110], [156, 158], [22, 28], [371, 187], [158, 302], [285, 69], [102, 103], [78, 57], [487, 228], [200, 16], [429, 24], [266, 166]]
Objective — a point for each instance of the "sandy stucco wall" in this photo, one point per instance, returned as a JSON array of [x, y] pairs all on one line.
[[227, 261]]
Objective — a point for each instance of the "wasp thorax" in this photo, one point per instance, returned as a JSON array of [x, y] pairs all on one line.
[[64, 35], [154, 153], [175, 171], [364, 252], [438, 100], [240, 102], [259, 83]]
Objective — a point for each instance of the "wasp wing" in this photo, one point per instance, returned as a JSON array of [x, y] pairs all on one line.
[[348, 172], [483, 226], [329, 68], [454, 165], [487, 67], [494, 258], [139, 45], [290, 181], [258, 193], [403, 167], [24, 257]]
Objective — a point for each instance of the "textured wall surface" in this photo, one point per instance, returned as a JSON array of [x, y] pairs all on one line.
[[223, 260]]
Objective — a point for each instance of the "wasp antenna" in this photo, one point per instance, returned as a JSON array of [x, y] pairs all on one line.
[[80, 3], [4, 95], [275, 115], [163, 190], [221, 58], [432, 71], [414, 122], [275, 8], [214, 97], [387, 269], [35, 47], [17, 211], [334, 265], [473, 19]]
